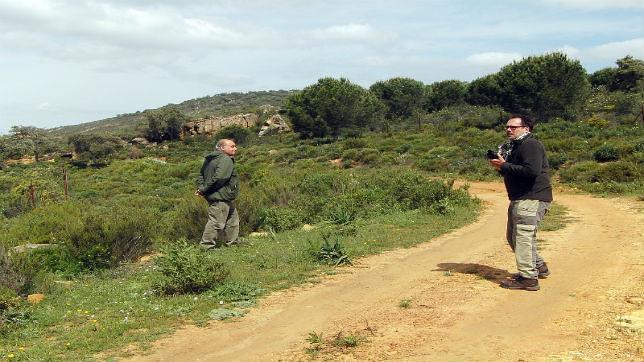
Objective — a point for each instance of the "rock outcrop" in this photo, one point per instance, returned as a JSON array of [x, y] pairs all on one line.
[[274, 125], [210, 126]]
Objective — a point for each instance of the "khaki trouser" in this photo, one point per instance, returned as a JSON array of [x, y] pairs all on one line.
[[523, 218], [222, 226]]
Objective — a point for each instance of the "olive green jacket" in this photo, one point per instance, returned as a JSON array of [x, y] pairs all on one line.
[[218, 180]]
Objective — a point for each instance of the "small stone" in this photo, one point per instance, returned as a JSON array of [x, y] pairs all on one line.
[[635, 300], [35, 298]]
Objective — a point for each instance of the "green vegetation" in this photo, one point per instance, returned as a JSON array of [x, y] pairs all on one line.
[[332, 105], [371, 170], [164, 124], [340, 342], [557, 218], [404, 303], [225, 104]]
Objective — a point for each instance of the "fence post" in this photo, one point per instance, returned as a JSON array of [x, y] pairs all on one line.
[[32, 196], [65, 183]]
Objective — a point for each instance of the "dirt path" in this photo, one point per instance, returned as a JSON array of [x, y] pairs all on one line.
[[456, 309]]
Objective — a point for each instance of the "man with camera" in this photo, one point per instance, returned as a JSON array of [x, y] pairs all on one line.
[[219, 185], [523, 163]]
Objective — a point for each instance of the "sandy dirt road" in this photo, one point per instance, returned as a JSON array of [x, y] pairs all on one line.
[[456, 309]]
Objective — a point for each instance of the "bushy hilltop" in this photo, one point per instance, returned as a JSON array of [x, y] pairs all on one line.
[[224, 104]]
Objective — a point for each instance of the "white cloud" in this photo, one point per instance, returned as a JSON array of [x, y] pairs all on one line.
[[45, 106], [492, 59], [615, 50], [354, 33], [598, 4], [570, 51], [125, 26]]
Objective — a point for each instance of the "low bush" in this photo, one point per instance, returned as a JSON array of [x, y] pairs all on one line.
[[619, 171], [579, 172], [281, 218], [606, 153], [107, 236], [9, 277], [13, 311], [187, 268], [240, 135], [331, 253], [187, 219], [556, 160]]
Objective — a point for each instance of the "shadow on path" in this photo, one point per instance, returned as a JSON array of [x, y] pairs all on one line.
[[492, 274]]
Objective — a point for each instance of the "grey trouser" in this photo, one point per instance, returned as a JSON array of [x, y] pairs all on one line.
[[222, 226], [523, 218]]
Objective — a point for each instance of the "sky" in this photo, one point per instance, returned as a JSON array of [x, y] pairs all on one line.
[[70, 62]]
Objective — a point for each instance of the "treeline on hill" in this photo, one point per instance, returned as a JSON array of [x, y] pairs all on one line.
[[545, 87], [358, 154]]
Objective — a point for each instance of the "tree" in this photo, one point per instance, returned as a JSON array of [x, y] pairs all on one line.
[[446, 93], [484, 91], [96, 149], [31, 139], [330, 106], [402, 96], [629, 76], [604, 77], [165, 123], [544, 86], [13, 148]]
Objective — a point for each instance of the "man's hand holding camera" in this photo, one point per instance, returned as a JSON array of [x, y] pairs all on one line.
[[495, 159]]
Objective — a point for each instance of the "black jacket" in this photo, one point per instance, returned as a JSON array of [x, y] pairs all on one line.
[[525, 172]]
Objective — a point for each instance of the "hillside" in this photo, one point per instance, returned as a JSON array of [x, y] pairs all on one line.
[[131, 124]]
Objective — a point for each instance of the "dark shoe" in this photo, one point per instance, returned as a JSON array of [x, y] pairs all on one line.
[[521, 283], [543, 272]]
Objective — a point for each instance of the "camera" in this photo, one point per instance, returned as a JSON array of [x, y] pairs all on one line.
[[491, 155]]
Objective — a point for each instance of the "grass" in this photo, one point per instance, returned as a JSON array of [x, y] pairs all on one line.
[[103, 312], [404, 303], [318, 345], [557, 218]]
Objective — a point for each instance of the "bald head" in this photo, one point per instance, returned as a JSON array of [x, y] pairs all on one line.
[[226, 146]]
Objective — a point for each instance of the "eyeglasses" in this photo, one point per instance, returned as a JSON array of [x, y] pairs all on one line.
[[513, 127]]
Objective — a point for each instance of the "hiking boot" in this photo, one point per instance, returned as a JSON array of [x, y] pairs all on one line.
[[542, 270], [521, 283]]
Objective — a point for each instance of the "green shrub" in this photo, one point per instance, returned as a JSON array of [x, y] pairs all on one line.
[[353, 143], [619, 171], [9, 277], [108, 236], [13, 311], [332, 253], [46, 224], [280, 218], [342, 214], [188, 218], [187, 268], [237, 133], [579, 172], [236, 292], [443, 207], [605, 153], [556, 160]]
